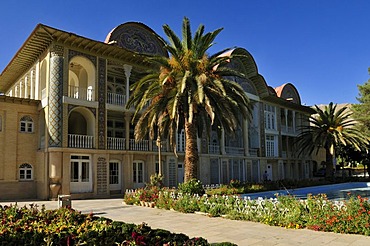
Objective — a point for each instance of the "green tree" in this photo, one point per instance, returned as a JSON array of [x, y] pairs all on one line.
[[188, 90], [361, 110], [328, 129]]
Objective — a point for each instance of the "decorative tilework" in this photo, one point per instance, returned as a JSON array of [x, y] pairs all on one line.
[[102, 176], [56, 50], [72, 106], [101, 103], [137, 38], [55, 96], [73, 53]]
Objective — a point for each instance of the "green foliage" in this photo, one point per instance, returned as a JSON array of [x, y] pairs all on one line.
[[189, 88], [317, 212], [31, 226], [329, 128], [192, 187], [156, 180], [360, 111]]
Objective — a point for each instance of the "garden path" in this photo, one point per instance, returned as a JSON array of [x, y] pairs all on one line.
[[213, 229]]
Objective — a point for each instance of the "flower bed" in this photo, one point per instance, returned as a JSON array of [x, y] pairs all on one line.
[[65, 226], [316, 213]]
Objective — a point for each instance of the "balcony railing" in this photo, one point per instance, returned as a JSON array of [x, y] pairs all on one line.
[[253, 152], [139, 145], [80, 93], [80, 141], [116, 99], [213, 149], [163, 146], [234, 150], [116, 143]]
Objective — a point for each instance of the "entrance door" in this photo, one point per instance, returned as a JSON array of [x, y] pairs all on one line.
[[114, 175], [269, 172], [180, 172], [81, 180], [138, 174]]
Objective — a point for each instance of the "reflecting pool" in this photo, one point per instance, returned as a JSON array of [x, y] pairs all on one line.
[[333, 192]]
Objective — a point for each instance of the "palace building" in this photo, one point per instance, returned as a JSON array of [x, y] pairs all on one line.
[[65, 129]]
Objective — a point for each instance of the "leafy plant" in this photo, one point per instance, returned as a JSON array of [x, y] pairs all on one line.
[[192, 187]]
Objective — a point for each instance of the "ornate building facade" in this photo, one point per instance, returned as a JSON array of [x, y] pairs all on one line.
[[65, 129]]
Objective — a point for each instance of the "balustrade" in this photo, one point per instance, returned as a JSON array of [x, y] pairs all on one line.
[[234, 150], [116, 99], [80, 141], [116, 143], [80, 93], [163, 145], [213, 149], [139, 145]]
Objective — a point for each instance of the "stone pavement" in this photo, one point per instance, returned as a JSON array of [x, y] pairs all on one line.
[[213, 229]]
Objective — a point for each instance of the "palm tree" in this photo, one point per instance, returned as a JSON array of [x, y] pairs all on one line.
[[329, 128], [188, 90]]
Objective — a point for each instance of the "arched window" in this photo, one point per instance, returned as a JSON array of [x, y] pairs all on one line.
[[25, 172], [26, 124]]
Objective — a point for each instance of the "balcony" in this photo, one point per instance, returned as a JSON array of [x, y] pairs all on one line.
[[213, 149], [116, 143], [234, 150], [163, 146], [142, 145], [80, 141], [116, 99], [253, 152], [81, 93]]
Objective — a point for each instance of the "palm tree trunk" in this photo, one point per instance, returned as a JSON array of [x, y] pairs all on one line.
[[191, 152], [329, 163]]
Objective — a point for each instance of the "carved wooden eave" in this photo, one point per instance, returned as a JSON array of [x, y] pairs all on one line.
[[43, 36]]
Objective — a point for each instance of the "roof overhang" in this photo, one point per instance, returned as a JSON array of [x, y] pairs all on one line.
[[290, 105], [43, 36]]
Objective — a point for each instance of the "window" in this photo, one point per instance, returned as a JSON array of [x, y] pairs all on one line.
[[80, 168], [270, 122], [138, 171], [114, 172], [1, 123], [180, 141], [270, 146], [236, 169], [25, 172], [116, 128], [26, 124]]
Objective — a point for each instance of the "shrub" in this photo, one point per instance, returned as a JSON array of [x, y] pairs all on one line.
[[65, 226], [192, 187]]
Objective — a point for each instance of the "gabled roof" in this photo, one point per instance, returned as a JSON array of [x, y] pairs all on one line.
[[43, 36]]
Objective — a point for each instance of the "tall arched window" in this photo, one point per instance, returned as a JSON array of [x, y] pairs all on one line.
[[25, 172], [26, 124]]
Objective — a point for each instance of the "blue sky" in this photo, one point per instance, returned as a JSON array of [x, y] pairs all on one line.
[[321, 46]]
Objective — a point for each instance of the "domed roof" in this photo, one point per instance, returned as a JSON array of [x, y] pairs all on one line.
[[288, 92], [136, 37]]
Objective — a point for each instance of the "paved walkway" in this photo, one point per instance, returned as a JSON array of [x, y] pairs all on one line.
[[213, 229]]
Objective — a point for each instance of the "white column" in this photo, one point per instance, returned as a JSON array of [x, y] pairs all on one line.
[[32, 84], [26, 95], [127, 74], [20, 91], [127, 131]]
